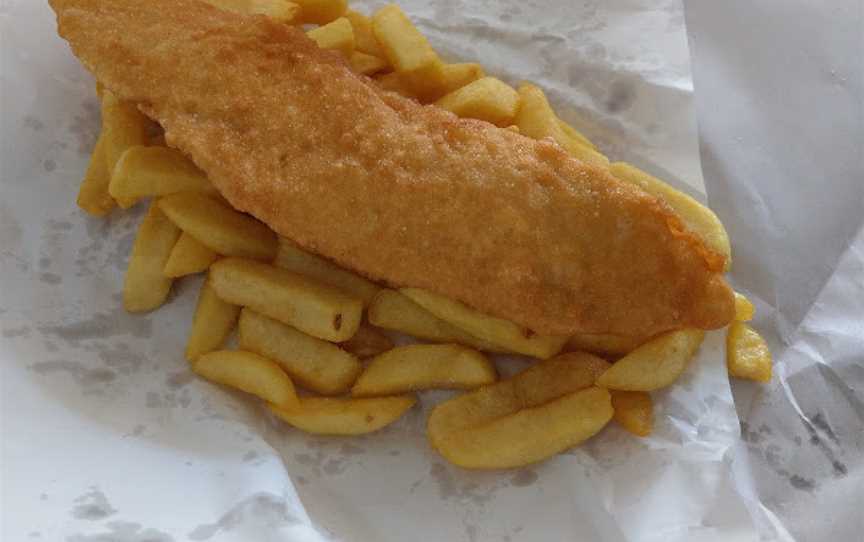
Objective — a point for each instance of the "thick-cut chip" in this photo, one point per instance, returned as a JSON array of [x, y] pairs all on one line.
[[156, 171], [319, 310], [486, 99], [603, 344], [337, 416], [315, 364], [502, 333], [540, 383], [747, 354], [364, 37], [189, 256], [281, 11], [698, 218], [655, 364], [573, 133], [250, 373], [93, 196], [409, 52], [552, 378], [744, 309], [213, 321], [634, 411], [424, 366], [291, 257], [529, 435], [146, 286], [584, 152], [337, 35], [536, 119], [321, 11], [123, 126], [219, 227], [460, 74], [365, 64], [367, 342], [392, 310], [455, 76]]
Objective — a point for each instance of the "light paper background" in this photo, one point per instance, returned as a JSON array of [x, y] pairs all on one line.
[[107, 437], [780, 102]]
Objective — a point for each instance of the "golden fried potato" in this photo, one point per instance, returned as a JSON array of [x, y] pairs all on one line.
[[365, 64], [123, 126], [93, 196], [338, 416], [551, 378], [531, 434], [189, 256], [744, 309], [536, 119], [424, 366], [219, 227], [250, 373], [460, 74], [293, 258], [409, 52], [455, 76], [655, 364], [603, 344], [502, 333], [281, 11], [212, 324], [364, 37], [146, 287], [391, 310], [747, 354], [634, 411], [316, 309], [367, 342], [320, 11], [314, 364], [540, 383], [698, 218], [486, 99], [575, 134], [337, 35], [156, 171]]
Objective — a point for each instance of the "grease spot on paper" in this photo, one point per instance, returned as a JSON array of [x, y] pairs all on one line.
[[89, 379], [525, 477], [101, 326], [124, 531], [804, 484], [12, 332], [93, 506], [263, 510]]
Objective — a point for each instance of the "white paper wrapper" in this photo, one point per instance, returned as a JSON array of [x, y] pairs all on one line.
[[780, 96], [108, 437]]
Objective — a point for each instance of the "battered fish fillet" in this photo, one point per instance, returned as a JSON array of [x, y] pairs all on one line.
[[399, 192]]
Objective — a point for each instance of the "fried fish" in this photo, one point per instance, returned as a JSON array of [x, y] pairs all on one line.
[[406, 194]]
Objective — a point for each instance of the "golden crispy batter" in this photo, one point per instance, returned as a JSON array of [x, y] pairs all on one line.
[[399, 192]]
